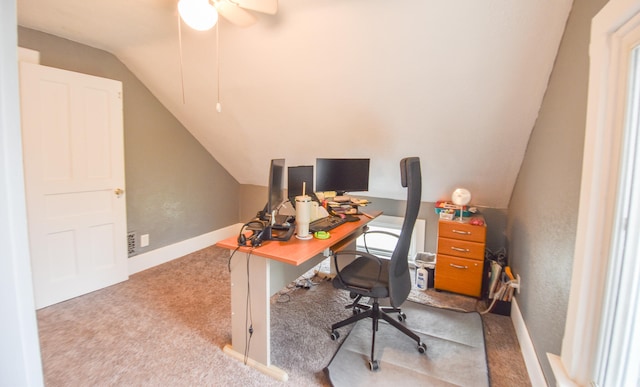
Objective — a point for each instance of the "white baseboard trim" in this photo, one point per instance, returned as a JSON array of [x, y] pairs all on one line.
[[560, 373], [165, 254], [536, 376]]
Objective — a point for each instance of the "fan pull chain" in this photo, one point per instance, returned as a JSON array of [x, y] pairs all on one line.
[[181, 65], [218, 105]]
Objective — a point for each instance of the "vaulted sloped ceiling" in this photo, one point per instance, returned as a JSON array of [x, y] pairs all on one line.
[[458, 83]]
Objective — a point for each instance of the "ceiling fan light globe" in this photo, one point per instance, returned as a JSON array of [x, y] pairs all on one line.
[[198, 14]]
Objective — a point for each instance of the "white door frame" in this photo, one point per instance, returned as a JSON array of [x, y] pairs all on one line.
[[20, 361], [600, 181]]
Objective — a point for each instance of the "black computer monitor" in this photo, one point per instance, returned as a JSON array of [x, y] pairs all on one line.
[[275, 189], [275, 199], [296, 176], [342, 175]]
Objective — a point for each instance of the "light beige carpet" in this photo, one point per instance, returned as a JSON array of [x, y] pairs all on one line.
[[167, 326], [455, 351]]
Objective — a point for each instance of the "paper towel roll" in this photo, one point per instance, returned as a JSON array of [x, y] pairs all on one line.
[[303, 216]]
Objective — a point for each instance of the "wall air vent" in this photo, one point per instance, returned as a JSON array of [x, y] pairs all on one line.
[[131, 243]]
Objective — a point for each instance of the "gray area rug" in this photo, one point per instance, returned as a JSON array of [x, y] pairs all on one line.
[[455, 351]]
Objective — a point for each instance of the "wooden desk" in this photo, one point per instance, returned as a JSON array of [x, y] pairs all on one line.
[[265, 277]]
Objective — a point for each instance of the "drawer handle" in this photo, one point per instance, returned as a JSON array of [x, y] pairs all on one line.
[[461, 232], [460, 249], [458, 266]]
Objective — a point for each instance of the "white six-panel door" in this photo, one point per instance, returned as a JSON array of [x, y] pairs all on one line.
[[72, 129]]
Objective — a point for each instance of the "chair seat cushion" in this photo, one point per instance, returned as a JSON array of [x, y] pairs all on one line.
[[361, 276]]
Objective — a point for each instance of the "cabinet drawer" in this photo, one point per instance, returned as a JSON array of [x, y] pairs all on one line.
[[460, 248], [459, 275], [456, 230]]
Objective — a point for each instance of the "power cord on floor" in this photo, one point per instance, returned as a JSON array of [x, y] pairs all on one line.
[[305, 283], [284, 295], [501, 290]]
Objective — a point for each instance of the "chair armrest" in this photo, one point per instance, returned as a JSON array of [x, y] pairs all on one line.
[[363, 254], [364, 236], [382, 232]]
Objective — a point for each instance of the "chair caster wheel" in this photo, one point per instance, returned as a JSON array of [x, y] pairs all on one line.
[[402, 317], [373, 365], [335, 335], [352, 295], [356, 310], [422, 348]]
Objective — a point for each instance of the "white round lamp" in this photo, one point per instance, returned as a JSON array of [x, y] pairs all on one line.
[[461, 197]]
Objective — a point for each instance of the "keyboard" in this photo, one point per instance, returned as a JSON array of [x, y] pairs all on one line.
[[325, 224]]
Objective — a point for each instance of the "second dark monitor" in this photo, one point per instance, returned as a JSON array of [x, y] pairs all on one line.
[[342, 175], [296, 176]]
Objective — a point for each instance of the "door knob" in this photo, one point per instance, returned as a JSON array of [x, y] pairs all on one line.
[[118, 192]]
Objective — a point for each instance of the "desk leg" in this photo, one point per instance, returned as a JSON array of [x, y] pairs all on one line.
[[259, 317]]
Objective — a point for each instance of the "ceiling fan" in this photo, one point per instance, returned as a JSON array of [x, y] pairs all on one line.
[[203, 14]]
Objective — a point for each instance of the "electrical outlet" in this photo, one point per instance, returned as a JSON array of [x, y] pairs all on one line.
[[519, 283], [144, 240]]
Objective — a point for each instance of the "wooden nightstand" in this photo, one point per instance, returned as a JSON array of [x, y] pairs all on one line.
[[460, 259]]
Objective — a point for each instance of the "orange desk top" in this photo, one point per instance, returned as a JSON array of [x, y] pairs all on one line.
[[296, 251]]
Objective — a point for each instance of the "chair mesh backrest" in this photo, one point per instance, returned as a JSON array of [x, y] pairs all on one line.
[[399, 276]]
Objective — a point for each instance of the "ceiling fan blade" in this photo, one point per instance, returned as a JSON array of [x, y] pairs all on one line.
[[235, 14], [263, 6]]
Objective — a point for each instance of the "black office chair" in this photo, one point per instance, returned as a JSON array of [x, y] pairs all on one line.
[[373, 277]]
